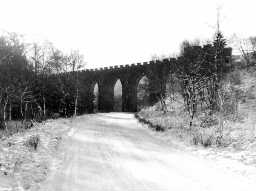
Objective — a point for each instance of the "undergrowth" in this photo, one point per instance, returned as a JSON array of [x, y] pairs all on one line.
[[236, 128], [14, 127]]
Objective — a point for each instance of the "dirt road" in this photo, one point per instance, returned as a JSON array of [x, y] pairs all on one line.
[[112, 152]]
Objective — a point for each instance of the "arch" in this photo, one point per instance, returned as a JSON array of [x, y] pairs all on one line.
[[118, 91], [104, 80], [96, 97], [143, 92]]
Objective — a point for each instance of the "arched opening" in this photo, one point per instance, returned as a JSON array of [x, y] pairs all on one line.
[[143, 93], [96, 98], [118, 96]]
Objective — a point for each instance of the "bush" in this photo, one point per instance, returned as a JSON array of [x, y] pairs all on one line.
[[208, 140], [33, 142], [250, 93], [208, 121], [231, 96], [196, 139], [55, 115], [28, 124], [14, 127], [2, 125], [204, 136], [235, 77]]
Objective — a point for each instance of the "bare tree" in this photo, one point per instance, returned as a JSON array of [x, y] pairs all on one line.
[[246, 47], [76, 62]]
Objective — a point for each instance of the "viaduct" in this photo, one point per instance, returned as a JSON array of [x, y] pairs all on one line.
[[129, 75], [156, 71]]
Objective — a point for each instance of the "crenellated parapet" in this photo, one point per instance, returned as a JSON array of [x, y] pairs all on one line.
[[129, 75], [127, 66]]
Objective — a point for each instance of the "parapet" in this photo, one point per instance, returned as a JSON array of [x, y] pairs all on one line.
[[133, 65]]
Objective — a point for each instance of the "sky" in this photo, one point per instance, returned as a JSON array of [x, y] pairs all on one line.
[[118, 32]]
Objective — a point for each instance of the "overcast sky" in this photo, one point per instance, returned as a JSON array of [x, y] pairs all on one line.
[[115, 32]]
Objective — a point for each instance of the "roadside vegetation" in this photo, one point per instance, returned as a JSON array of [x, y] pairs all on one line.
[[37, 82], [209, 101], [237, 114], [28, 157]]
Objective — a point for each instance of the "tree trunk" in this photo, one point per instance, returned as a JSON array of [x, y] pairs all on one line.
[[21, 108], [221, 118], [75, 112], [26, 108], [32, 112], [10, 112], [44, 106], [5, 105], [163, 104]]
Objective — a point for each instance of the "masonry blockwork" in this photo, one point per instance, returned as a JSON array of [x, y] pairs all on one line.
[[129, 76]]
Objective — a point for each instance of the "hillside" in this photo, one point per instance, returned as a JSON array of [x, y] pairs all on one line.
[[238, 138]]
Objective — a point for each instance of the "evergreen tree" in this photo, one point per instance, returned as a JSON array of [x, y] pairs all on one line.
[[219, 45], [220, 67]]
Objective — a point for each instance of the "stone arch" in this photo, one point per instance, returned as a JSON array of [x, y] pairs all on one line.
[[129, 76], [96, 94], [106, 94], [142, 92], [118, 91]]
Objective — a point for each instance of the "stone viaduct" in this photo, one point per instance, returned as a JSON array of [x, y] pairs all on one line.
[[156, 71]]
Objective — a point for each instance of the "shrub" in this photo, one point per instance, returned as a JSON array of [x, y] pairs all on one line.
[[231, 96], [27, 124], [205, 136], [235, 77], [33, 142], [2, 125], [250, 93], [207, 140], [196, 139], [55, 115], [208, 121]]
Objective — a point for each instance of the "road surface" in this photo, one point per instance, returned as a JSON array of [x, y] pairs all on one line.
[[113, 152]]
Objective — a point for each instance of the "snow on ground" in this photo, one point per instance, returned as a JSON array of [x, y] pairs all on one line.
[[22, 168], [114, 152], [241, 161]]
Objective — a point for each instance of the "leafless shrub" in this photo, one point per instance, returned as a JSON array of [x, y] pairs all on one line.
[[55, 115], [208, 120], [33, 142], [27, 124], [206, 136], [250, 94], [235, 77]]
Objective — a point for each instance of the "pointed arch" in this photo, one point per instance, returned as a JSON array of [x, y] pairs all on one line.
[[118, 91], [96, 97], [143, 94]]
